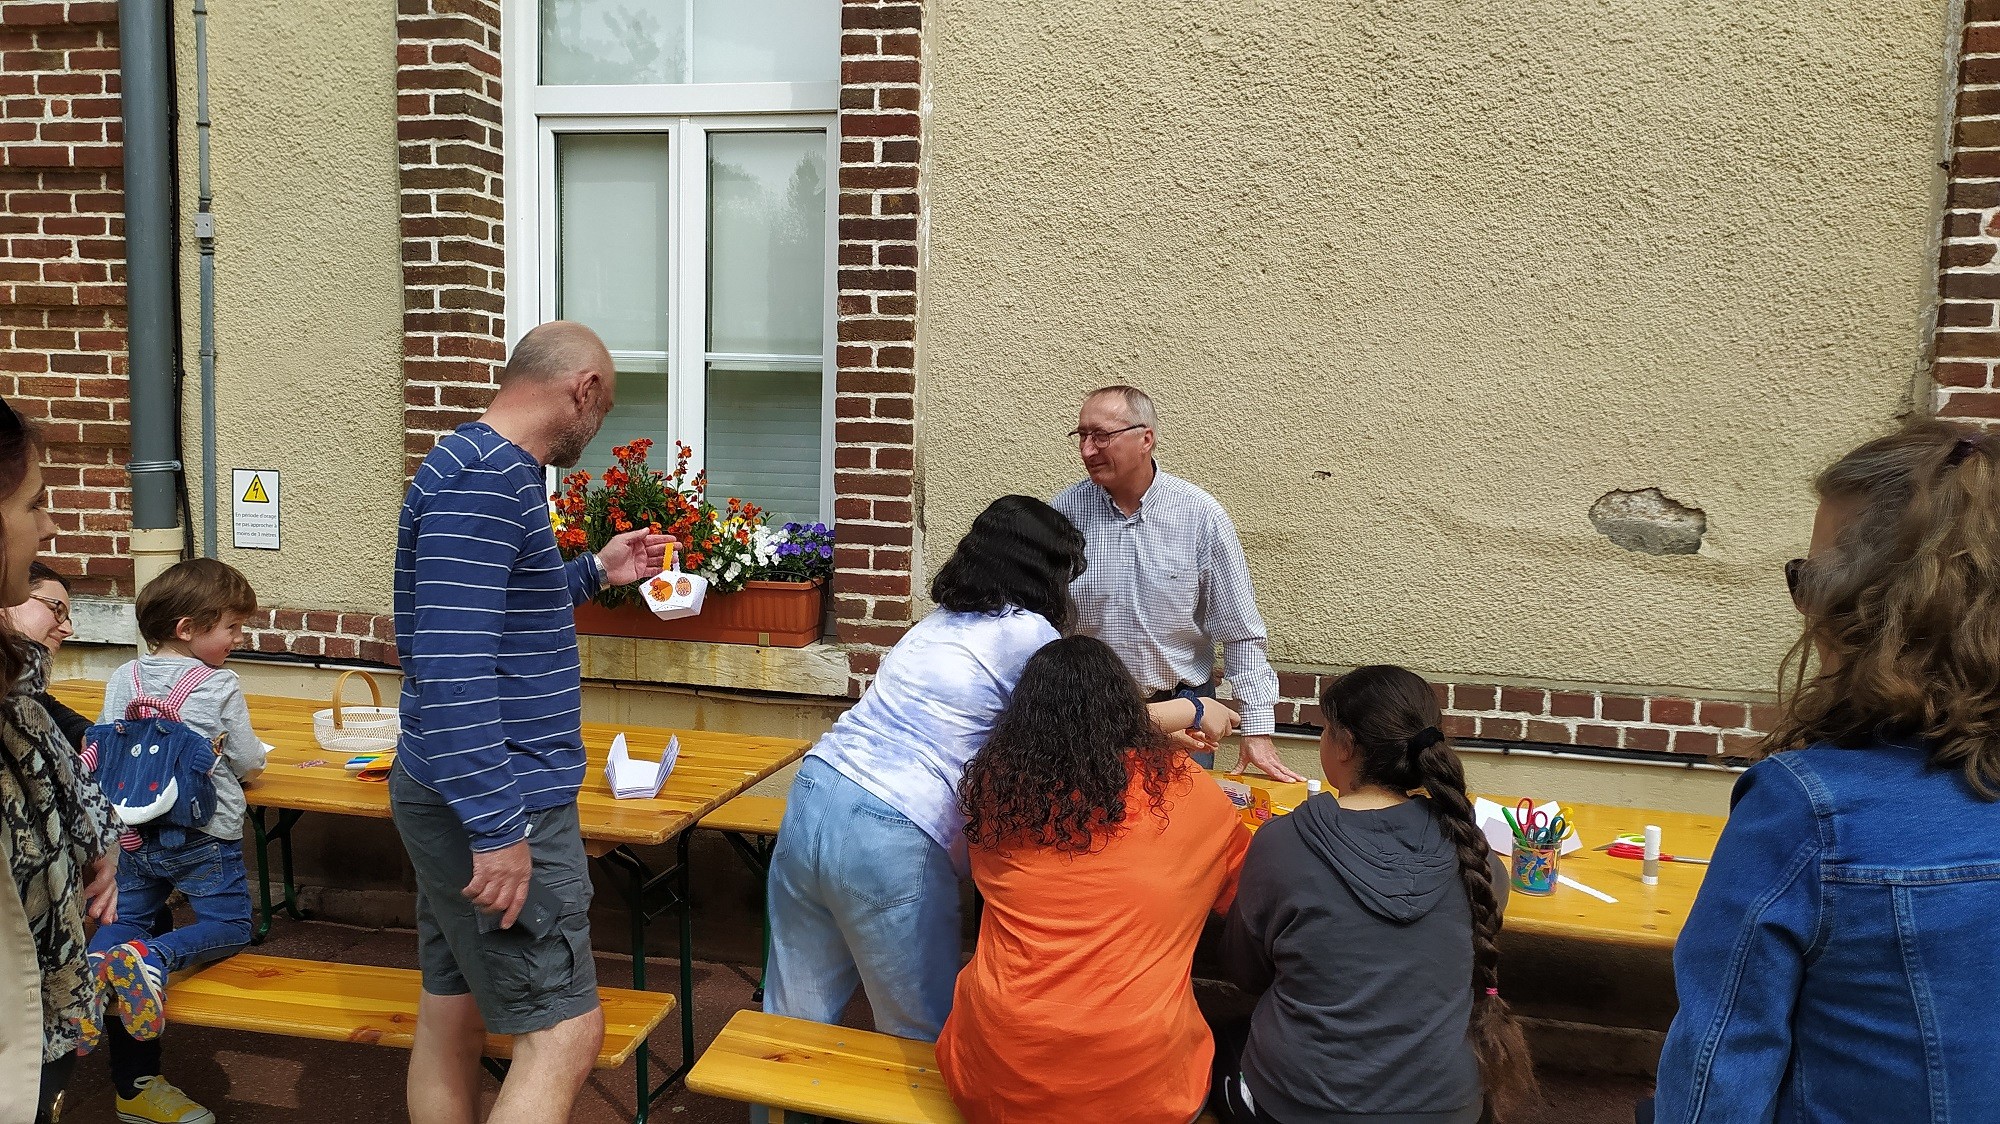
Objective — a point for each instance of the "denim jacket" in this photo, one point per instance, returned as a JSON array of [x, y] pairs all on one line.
[[1842, 961]]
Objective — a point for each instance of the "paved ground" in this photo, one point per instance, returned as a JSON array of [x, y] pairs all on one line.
[[256, 1079]]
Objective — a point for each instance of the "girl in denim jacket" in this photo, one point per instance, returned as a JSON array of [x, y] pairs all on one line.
[[1840, 962]]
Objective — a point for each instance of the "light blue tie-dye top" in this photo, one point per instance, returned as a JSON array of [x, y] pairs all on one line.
[[936, 698]]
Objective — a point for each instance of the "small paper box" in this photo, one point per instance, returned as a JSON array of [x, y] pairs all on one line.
[[674, 594], [638, 780], [1500, 837]]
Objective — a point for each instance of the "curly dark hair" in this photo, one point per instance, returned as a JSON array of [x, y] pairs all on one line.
[[1060, 761], [1392, 715], [1020, 552]]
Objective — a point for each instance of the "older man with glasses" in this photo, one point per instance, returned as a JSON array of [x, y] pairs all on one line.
[[1167, 579]]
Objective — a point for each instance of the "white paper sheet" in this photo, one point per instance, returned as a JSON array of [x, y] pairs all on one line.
[[638, 780]]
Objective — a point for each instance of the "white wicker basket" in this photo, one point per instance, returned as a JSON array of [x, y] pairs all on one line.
[[357, 729]]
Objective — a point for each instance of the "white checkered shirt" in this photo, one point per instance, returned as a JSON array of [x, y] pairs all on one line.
[[1166, 585]]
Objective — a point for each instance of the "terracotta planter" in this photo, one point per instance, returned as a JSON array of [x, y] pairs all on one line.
[[768, 614]]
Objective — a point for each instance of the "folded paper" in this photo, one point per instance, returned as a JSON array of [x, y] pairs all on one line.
[[674, 594], [638, 780]]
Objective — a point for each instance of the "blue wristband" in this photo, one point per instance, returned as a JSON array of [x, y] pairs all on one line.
[[1199, 709]]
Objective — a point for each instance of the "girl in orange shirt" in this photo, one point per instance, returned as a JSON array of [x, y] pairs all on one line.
[[1100, 849]]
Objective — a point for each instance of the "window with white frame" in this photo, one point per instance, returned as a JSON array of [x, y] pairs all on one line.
[[671, 174]]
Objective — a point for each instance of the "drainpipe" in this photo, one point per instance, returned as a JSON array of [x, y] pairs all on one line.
[[144, 59], [204, 234]]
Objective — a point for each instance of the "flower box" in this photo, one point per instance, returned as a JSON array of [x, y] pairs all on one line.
[[765, 613], [766, 585]]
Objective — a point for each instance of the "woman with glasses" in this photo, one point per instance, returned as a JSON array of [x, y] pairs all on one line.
[[1838, 964], [44, 619]]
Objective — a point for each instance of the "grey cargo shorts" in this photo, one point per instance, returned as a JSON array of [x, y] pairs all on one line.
[[521, 984]]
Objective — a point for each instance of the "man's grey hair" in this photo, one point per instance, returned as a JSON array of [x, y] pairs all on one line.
[[1138, 404]]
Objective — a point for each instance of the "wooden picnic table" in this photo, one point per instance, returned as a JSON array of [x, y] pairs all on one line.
[[1644, 917], [300, 776]]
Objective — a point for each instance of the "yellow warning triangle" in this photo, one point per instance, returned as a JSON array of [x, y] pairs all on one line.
[[255, 492]]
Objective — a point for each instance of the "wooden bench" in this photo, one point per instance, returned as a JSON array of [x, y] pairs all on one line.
[[791, 1065], [747, 815], [353, 1003]]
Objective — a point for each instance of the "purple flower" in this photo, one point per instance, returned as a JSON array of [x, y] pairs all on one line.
[[825, 551]]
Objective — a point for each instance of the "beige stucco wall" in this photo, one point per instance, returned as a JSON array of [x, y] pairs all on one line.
[[1417, 283], [308, 287]]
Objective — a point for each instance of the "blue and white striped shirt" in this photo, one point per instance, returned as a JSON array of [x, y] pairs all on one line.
[[485, 627]]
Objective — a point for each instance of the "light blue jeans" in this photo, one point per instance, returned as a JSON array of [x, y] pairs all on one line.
[[859, 895]]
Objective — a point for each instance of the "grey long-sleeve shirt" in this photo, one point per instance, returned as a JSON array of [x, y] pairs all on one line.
[[216, 709], [1168, 583]]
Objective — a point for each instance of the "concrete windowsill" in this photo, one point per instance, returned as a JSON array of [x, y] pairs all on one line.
[[816, 669]]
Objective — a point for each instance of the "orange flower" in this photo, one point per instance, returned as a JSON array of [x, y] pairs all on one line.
[[620, 521]]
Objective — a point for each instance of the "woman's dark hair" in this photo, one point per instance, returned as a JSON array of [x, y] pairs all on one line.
[[1057, 767], [1393, 718], [19, 444], [1905, 605], [1019, 552], [39, 572]]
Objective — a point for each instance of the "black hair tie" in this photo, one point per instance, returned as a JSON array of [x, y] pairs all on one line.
[[1960, 451], [1426, 738]]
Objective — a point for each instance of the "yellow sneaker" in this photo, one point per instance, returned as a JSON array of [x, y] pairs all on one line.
[[159, 1102]]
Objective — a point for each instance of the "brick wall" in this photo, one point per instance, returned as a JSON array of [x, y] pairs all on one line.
[[881, 140], [449, 155], [1572, 717], [1968, 336], [62, 272]]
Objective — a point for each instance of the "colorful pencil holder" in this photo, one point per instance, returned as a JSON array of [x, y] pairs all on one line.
[[1535, 867]]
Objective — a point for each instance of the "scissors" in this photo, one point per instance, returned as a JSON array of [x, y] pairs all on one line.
[[1529, 822], [1634, 847]]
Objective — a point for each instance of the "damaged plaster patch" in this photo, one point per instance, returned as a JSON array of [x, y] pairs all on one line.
[[1649, 522]]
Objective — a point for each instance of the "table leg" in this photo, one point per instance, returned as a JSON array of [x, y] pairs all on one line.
[[684, 892], [639, 886], [265, 834], [756, 854]]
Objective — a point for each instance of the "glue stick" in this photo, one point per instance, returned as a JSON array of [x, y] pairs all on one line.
[[1649, 869], [1312, 786]]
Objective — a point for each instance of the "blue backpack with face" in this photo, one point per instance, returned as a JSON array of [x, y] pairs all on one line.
[[154, 769]]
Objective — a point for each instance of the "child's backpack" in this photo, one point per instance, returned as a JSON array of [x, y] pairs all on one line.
[[153, 768]]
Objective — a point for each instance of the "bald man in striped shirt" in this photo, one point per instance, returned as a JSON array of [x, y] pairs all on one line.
[[1167, 580], [491, 755]]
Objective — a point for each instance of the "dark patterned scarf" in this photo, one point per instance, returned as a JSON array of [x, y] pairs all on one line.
[[53, 823]]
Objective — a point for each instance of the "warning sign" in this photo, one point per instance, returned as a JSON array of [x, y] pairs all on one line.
[[256, 515]]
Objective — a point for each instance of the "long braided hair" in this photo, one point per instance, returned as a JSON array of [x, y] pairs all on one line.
[[1393, 718]]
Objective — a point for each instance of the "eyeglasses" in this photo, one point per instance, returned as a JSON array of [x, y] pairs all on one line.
[[56, 607], [1793, 570], [1099, 437]]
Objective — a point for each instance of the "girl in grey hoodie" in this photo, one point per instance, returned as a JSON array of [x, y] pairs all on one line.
[[1367, 927]]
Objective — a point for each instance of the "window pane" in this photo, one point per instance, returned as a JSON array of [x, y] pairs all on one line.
[[767, 41], [764, 439], [614, 42], [641, 412], [767, 242], [611, 249]]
